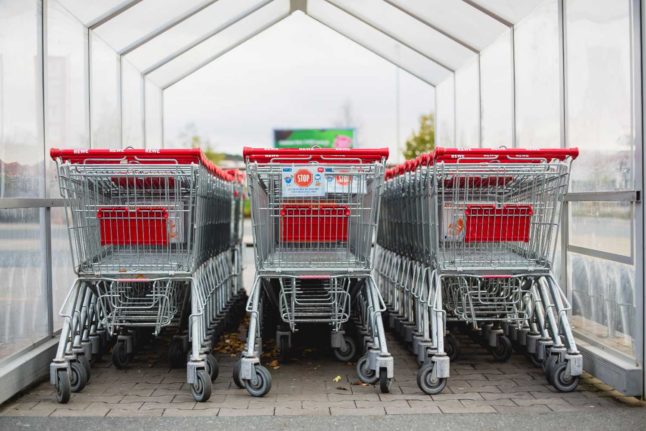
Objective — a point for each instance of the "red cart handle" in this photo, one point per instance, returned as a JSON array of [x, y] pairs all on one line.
[[321, 155], [180, 156], [501, 155]]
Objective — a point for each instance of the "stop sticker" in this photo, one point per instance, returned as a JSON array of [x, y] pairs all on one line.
[[303, 178]]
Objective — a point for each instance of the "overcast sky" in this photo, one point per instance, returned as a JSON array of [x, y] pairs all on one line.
[[297, 74]]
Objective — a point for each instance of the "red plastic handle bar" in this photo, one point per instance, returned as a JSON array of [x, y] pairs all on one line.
[[503, 155], [322, 155], [180, 156]]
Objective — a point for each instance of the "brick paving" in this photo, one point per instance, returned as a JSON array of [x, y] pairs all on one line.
[[305, 387]]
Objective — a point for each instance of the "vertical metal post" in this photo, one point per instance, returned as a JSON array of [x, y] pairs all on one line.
[[89, 86], [143, 108], [120, 75], [161, 117], [480, 126], [397, 113], [455, 111], [514, 142]]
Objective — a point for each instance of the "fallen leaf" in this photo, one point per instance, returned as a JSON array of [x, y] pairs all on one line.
[[341, 388], [337, 379]]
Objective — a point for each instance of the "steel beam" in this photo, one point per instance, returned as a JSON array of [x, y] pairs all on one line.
[[112, 13], [489, 13]]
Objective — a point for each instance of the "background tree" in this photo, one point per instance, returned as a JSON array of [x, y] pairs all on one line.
[[191, 138], [423, 140]]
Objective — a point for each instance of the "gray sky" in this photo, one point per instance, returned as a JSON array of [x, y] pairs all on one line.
[[297, 74]]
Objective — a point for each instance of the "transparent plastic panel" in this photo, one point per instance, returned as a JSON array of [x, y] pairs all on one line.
[[62, 267], [605, 226], [105, 106], [408, 30], [142, 19], [208, 21], [467, 106], [599, 94], [21, 130], [89, 10], [23, 307], [445, 132], [133, 106], [537, 79], [510, 10], [154, 116], [497, 97], [456, 18], [67, 122], [604, 302], [220, 43], [376, 41]]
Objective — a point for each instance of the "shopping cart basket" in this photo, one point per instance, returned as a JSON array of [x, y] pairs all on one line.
[[314, 212], [150, 233], [475, 243]]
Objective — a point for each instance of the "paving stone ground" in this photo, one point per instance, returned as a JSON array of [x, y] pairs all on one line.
[[305, 387]]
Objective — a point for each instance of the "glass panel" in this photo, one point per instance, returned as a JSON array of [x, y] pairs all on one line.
[[23, 309], [599, 94], [377, 42], [105, 105], [496, 80], [207, 22], [133, 106], [445, 113], [67, 99], [21, 132], [88, 11], [62, 267], [537, 79], [416, 98], [603, 301], [456, 18], [510, 10], [605, 226], [153, 116], [142, 19], [467, 103], [220, 43], [409, 30]]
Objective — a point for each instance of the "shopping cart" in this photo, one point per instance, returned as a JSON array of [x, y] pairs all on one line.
[[314, 212], [151, 237], [469, 236]]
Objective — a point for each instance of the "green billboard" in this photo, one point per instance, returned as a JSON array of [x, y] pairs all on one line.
[[308, 138]]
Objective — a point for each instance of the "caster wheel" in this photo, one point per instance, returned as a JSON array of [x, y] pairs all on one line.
[[384, 382], [347, 352], [176, 355], [283, 349], [236, 375], [212, 367], [366, 375], [86, 364], [561, 381], [78, 376], [201, 389], [534, 360], [502, 351], [63, 389], [548, 367], [427, 383], [452, 347], [120, 357], [260, 384]]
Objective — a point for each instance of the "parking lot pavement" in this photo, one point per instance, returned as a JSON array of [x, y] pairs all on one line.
[[313, 384]]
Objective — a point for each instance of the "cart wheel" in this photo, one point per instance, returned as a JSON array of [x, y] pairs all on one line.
[[561, 381], [534, 359], [452, 347], [548, 367], [348, 351], [78, 376], [366, 375], [283, 349], [86, 364], [427, 383], [384, 382], [260, 384], [120, 357], [503, 350], [201, 389], [212, 367], [176, 355], [236, 375], [63, 390]]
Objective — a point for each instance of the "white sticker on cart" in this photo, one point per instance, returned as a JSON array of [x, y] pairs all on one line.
[[341, 180], [303, 181], [453, 223]]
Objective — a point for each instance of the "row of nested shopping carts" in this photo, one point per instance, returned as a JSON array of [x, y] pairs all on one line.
[[466, 240], [156, 245]]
